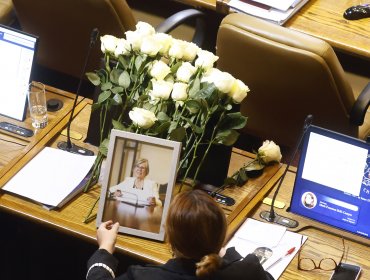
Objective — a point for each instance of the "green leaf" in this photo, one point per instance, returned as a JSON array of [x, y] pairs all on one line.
[[163, 127], [106, 86], [103, 148], [230, 181], [124, 80], [175, 67], [95, 106], [124, 62], [233, 121], [114, 74], [193, 106], [178, 134], [116, 90], [138, 62], [104, 96], [117, 99], [161, 116], [194, 87], [118, 125], [227, 137], [93, 78]]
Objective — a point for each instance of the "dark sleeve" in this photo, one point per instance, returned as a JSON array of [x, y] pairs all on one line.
[[95, 271], [248, 268]]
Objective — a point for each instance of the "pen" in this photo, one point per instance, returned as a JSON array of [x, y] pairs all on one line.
[[291, 250]]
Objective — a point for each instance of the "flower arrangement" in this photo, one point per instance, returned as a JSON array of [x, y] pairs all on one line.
[[157, 85], [267, 154]]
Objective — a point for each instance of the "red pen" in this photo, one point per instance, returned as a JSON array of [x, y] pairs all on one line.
[[291, 250]]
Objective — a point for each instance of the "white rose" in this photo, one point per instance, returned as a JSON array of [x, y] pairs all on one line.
[[164, 40], [161, 89], [123, 47], [190, 51], [238, 91], [177, 49], [159, 70], [134, 39], [108, 43], [150, 46], [222, 80], [185, 71], [179, 91], [269, 152], [142, 118], [144, 28], [205, 59]]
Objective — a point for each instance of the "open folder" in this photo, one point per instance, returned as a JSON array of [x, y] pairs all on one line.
[[52, 177], [254, 235]]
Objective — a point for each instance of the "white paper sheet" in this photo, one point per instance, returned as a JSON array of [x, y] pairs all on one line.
[[287, 241], [50, 176]]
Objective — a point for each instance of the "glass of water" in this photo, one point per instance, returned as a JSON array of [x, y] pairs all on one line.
[[37, 104]]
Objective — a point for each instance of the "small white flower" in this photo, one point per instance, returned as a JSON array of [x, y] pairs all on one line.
[[177, 49], [150, 46], [159, 70], [161, 89], [142, 117], [123, 47], [190, 51], [134, 39], [238, 91], [108, 43], [144, 28], [185, 71], [165, 40], [269, 152], [205, 59], [179, 91], [222, 80]]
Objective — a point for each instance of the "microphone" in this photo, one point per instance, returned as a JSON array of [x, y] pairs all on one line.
[[271, 216], [68, 145]]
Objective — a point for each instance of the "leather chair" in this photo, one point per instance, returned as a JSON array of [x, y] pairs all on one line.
[[64, 27], [290, 75]]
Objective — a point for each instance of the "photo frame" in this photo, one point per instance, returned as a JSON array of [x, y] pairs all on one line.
[[138, 182]]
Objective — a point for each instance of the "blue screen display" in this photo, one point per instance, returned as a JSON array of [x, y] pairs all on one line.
[[333, 181]]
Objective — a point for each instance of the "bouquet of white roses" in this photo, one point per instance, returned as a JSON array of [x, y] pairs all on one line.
[[164, 87]]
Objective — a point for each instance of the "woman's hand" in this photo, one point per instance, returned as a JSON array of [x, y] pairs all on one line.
[[151, 200], [106, 235]]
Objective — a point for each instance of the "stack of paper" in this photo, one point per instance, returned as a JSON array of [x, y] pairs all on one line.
[[276, 11], [52, 177], [254, 235]]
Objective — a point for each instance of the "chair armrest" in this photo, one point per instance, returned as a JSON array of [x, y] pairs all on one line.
[[359, 109], [175, 20]]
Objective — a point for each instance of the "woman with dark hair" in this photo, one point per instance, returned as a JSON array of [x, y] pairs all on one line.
[[195, 229]]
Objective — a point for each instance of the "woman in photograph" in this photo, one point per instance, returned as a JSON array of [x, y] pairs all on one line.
[[195, 229], [138, 187]]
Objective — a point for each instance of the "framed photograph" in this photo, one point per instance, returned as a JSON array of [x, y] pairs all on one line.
[[138, 181]]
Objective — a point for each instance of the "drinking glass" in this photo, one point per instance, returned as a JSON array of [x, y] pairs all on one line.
[[37, 104]]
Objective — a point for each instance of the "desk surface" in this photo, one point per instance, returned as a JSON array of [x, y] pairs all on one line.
[[322, 19], [70, 218], [322, 241]]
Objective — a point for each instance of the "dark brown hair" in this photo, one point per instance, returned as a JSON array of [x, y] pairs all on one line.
[[196, 229]]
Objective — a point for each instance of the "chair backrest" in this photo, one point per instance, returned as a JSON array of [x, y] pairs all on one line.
[[64, 28], [290, 75]]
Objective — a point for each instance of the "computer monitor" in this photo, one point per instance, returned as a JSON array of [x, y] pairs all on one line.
[[332, 185], [17, 53]]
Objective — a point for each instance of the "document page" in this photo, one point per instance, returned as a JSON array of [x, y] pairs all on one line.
[[50, 176]]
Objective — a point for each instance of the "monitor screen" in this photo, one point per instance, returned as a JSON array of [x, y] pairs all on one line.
[[332, 185], [17, 51]]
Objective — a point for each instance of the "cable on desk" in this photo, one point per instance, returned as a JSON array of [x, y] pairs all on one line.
[[13, 142]]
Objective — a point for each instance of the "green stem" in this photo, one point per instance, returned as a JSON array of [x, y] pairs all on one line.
[[90, 217]]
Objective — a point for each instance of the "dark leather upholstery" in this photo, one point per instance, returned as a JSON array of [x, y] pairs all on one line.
[[64, 28], [290, 75]]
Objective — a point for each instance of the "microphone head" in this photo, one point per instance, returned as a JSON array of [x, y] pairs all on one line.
[[308, 121], [94, 35]]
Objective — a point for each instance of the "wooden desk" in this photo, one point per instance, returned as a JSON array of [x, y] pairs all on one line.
[[322, 19], [70, 218], [323, 241]]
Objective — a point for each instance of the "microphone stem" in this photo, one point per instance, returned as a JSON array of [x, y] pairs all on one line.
[[69, 142], [307, 123]]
